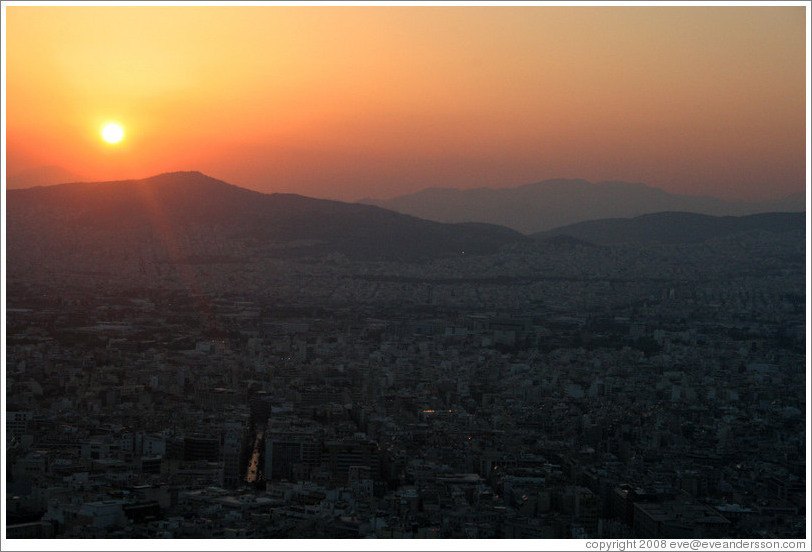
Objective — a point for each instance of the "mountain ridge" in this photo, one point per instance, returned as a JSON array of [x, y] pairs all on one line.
[[182, 215], [542, 206]]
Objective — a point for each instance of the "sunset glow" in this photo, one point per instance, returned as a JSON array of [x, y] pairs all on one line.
[[347, 102]]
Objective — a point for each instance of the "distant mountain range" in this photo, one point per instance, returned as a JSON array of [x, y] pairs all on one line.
[[146, 229], [553, 203], [673, 228], [46, 175], [188, 217]]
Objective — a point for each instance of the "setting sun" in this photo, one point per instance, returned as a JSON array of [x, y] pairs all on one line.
[[112, 133], [384, 101]]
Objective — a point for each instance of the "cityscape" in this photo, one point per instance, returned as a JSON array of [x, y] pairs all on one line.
[[554, 389]]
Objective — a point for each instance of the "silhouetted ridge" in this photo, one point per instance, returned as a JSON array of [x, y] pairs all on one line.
[[542, 206], [187, 210]]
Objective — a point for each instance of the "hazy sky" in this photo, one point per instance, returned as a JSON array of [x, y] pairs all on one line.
[[346, 102]]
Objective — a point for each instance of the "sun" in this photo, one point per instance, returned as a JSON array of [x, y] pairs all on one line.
[[112, 133]]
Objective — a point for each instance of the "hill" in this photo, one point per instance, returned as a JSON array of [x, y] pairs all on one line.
[[553, 203], [188, 217], [46, 175]]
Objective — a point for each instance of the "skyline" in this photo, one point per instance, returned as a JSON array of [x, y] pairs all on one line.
[[347, 102]]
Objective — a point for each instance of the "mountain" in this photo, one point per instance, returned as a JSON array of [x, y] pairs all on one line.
[[673, 228], [46, 175], [188, 217], [553, 203]]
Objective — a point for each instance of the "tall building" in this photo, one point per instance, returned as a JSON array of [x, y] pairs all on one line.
[[291, 452], [340, 456], [17, 422], [201, 447], [233, 441]]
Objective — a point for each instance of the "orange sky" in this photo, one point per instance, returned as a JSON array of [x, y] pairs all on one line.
[[347, 102]]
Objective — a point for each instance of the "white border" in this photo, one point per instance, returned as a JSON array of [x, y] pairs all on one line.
[[369, 544]]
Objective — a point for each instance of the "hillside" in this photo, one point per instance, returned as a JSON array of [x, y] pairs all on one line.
[[189, 217], [549, 204]]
